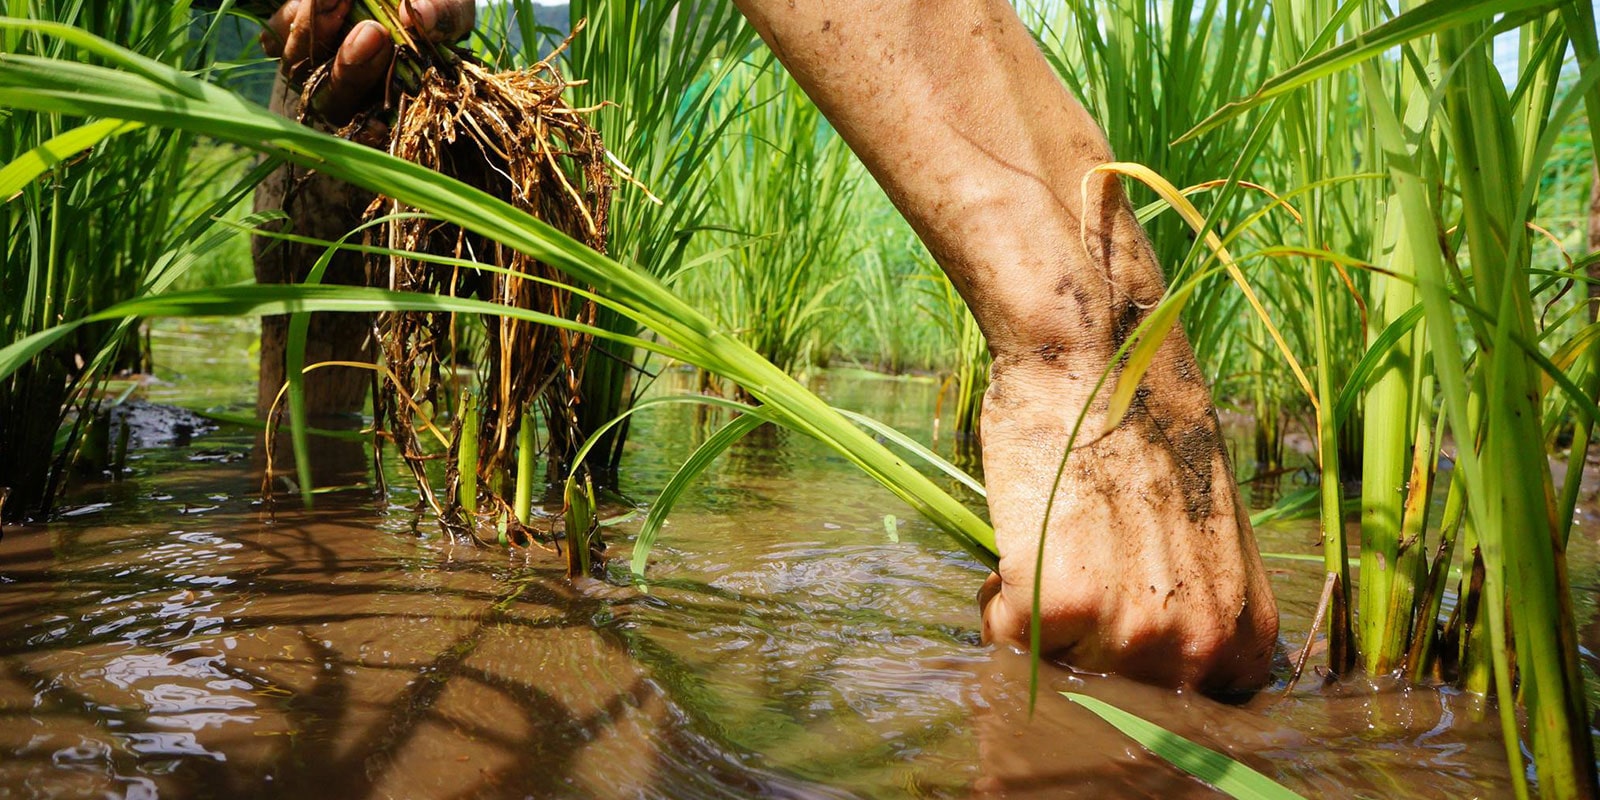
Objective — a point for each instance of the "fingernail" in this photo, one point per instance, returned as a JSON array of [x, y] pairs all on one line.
[[424, 15], [324, 6], [364, 43]]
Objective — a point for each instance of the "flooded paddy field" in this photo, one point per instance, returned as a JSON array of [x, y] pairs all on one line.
[[170, 636]]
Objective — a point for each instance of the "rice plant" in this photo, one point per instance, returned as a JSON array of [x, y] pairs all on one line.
[[890, 296], [784, 189], [1415, 188], [94, 213], [1463, 155]]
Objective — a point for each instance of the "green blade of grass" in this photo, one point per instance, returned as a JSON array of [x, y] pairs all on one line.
[[1225, 774], [726, 437], [1138, 360], [1425, 19], [250, 422], [916, 448], [707, 452], [1360, 376], [294, 359], [27, 167], [265, 299]]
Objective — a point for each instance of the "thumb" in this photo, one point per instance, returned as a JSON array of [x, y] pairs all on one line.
[[358, 70]]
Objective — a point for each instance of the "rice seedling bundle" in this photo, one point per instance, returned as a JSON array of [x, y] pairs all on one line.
[[513, 135]]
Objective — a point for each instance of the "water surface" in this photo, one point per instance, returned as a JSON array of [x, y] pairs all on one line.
[[176, 639]]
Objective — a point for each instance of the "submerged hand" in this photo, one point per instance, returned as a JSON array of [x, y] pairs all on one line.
[[304, 33], [1149, 567]]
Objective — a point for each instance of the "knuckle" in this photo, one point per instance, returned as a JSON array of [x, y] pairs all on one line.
[[1001, 622], [271, 43], [1197, 639]]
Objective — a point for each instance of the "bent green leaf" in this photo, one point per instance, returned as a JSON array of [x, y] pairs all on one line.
[[155, 94], [702, 457], [1227, 775], [24, 169]]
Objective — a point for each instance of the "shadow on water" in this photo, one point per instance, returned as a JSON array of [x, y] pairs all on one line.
[[179, 642], [318, 657]]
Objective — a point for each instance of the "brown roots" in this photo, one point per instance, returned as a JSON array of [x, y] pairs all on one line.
[[514, 136]]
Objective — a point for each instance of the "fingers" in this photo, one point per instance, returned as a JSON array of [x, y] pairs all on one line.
[[276, 30], [360, 68], [439, 20], [303, 32]]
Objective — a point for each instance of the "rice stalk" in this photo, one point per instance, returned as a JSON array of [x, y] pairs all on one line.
[[1470, 252], [92, 212], [466, 462]]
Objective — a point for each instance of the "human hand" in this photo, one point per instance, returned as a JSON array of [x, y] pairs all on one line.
[[1150, 568], [305, 33]]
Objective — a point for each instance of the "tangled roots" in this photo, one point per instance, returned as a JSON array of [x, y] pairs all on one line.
[[514, 136]]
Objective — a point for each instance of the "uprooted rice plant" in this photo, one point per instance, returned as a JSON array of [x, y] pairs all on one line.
[[663, 77], [515, 136]]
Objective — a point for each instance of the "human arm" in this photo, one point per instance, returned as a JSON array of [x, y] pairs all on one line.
[[1150, 565]]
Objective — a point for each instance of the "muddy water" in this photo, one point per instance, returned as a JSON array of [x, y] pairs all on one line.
[[173, 639]]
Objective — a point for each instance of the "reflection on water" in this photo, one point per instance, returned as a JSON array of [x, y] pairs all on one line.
[[181, 644]]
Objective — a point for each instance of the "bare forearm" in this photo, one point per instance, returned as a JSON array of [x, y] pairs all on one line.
[[961, 119]]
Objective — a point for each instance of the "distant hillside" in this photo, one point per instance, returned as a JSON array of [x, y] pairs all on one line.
[[552, 17]]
